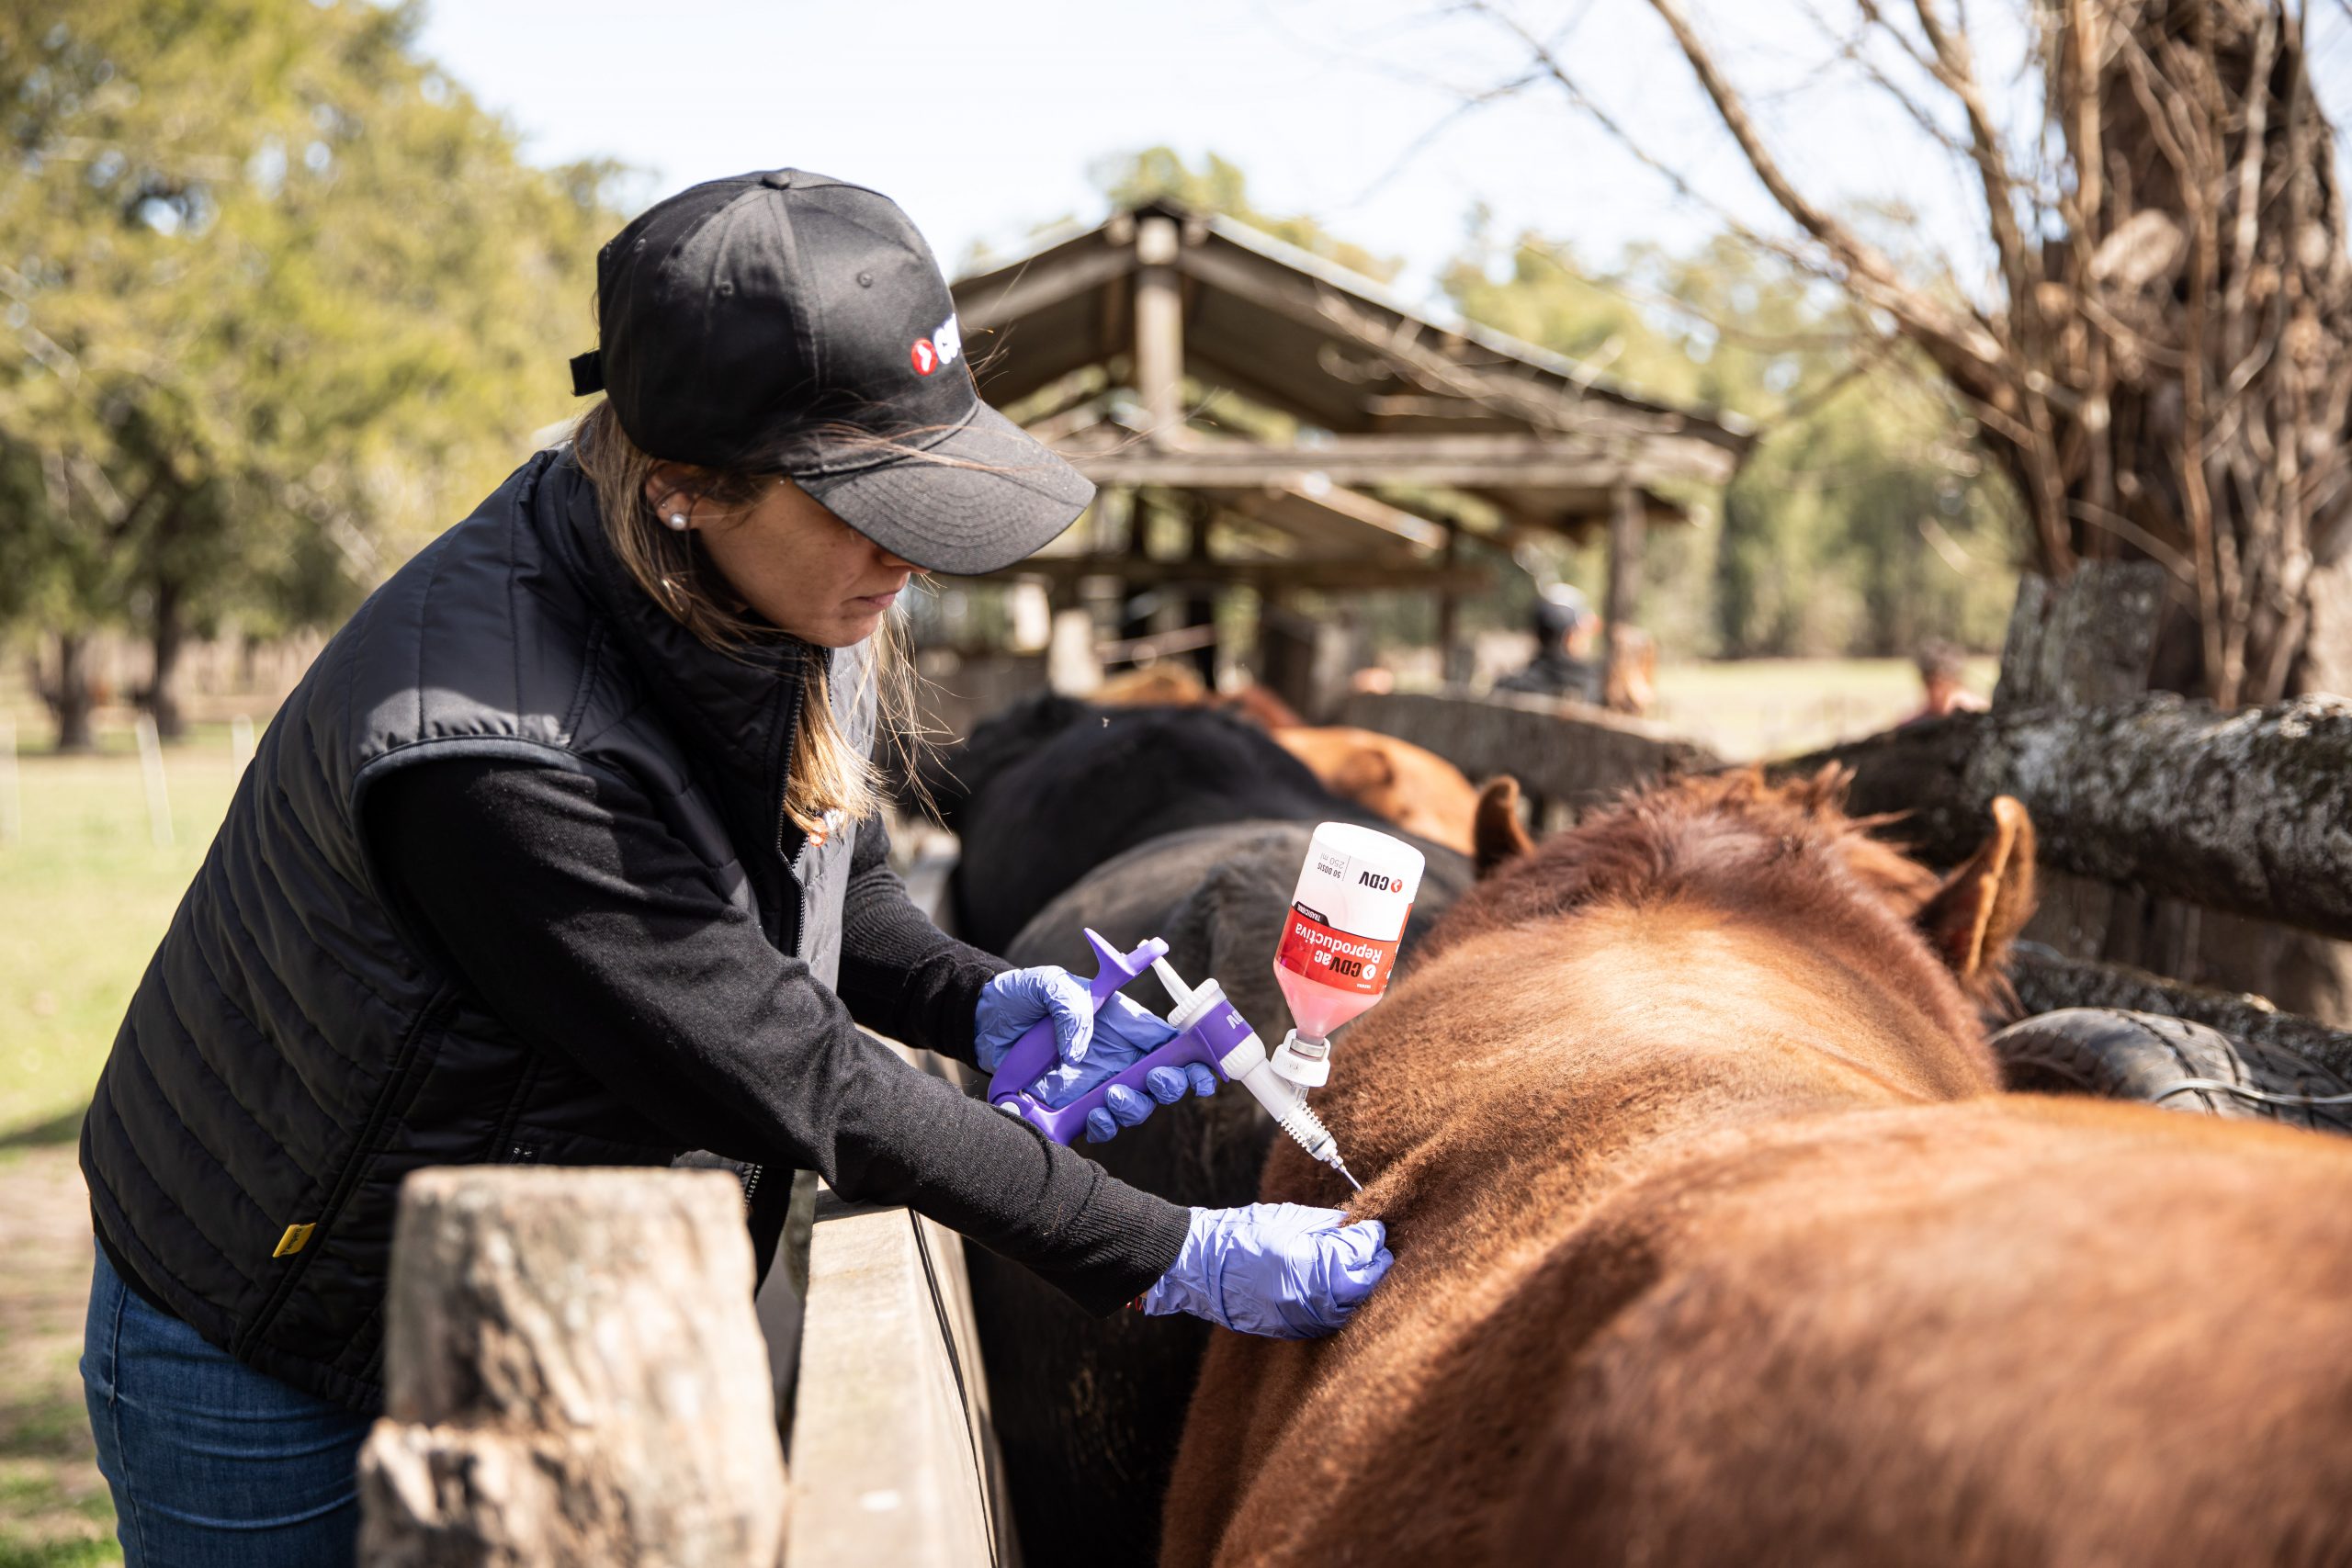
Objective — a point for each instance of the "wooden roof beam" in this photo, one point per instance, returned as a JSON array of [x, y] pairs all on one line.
[[1293, 573], [1464, 462], [991, 303], [1344, 517], [1518, 393]]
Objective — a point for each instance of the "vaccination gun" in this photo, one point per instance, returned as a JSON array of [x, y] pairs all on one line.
[[1338, 944]]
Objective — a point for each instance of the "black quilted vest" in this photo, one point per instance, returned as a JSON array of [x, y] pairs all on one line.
[[291, 1055]]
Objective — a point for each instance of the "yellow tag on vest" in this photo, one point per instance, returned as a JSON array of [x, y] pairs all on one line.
[[293, 1241]]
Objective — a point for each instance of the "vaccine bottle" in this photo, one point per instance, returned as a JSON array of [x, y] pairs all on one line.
[[1340, 940]]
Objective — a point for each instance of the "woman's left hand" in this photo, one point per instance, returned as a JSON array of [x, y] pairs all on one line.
[[1092, 1047]]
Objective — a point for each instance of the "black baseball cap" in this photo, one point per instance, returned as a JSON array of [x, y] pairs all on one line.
[[791, 323]]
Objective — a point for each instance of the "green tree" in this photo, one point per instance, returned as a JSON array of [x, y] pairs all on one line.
[[280, 298], [1863, 523]]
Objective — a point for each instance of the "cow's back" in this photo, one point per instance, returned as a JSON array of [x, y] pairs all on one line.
[[2002, 1331], [2017, 1331], [1679, 1282]]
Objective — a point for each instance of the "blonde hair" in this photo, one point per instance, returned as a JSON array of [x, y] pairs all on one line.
[[827, 774]]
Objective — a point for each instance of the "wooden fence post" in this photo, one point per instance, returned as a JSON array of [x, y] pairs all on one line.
[[574, 1376], [151, 773]]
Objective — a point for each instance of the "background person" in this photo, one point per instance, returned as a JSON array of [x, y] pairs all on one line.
[[1564, 666], [568, 851], [1944, 673]]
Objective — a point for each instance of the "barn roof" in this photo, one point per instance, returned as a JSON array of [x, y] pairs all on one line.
[[1093, 333]]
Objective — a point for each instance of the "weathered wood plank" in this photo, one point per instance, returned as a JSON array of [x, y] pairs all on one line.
[[2248, 812], [894, 1459], [1561, 751], [1266, 576], [1367, 460]]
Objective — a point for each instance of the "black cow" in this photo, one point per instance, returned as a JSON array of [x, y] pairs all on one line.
[[1089, 1410], [1051, 788]]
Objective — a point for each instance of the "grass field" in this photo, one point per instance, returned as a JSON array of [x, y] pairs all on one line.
[[86, 894], [1772, 707]]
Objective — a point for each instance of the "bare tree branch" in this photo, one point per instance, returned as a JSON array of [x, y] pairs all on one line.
[[1953, 67], [1871, 273]]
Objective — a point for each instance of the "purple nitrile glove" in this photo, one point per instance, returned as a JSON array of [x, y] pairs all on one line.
[[1092, 1047], [1284, 1270]]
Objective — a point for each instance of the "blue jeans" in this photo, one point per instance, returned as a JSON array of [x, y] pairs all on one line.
[[212, 1464]]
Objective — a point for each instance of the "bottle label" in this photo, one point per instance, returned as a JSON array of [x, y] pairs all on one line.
[[1329, 956]]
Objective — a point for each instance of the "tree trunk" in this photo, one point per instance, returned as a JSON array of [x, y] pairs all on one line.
[[168, 637], [2168, 376], [574, 1376], [2179, 360], [2084, 642], [68, 700], [2201, 317]]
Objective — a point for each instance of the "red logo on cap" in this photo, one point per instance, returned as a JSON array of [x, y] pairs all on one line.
[[926, 358]]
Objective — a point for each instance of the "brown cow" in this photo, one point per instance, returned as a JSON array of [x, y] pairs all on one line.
[[1413, 787], [1716, 1245]]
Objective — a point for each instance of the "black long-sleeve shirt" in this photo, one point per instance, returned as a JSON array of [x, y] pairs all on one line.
[[610, 944]]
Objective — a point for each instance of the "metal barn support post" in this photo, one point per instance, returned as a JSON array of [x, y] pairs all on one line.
[[574, 1376]]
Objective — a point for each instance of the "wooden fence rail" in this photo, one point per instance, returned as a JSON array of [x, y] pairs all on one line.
[[893, 1456], [2249, 813], [1560, 752]]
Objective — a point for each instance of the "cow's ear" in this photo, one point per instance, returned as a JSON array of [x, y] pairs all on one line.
[[1363, 770], [1981, 908], [1495, 832]]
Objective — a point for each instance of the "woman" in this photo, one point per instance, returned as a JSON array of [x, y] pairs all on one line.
[[568, 850]]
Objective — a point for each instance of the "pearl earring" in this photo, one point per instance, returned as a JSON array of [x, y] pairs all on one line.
[[678, 520]]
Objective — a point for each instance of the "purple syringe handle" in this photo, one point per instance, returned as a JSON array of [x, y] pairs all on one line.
[[1033, 1054]]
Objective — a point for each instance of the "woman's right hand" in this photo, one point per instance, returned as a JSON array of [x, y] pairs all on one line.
[[1284, 1270]]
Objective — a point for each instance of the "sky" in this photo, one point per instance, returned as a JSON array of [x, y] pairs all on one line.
[[984, 120]]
